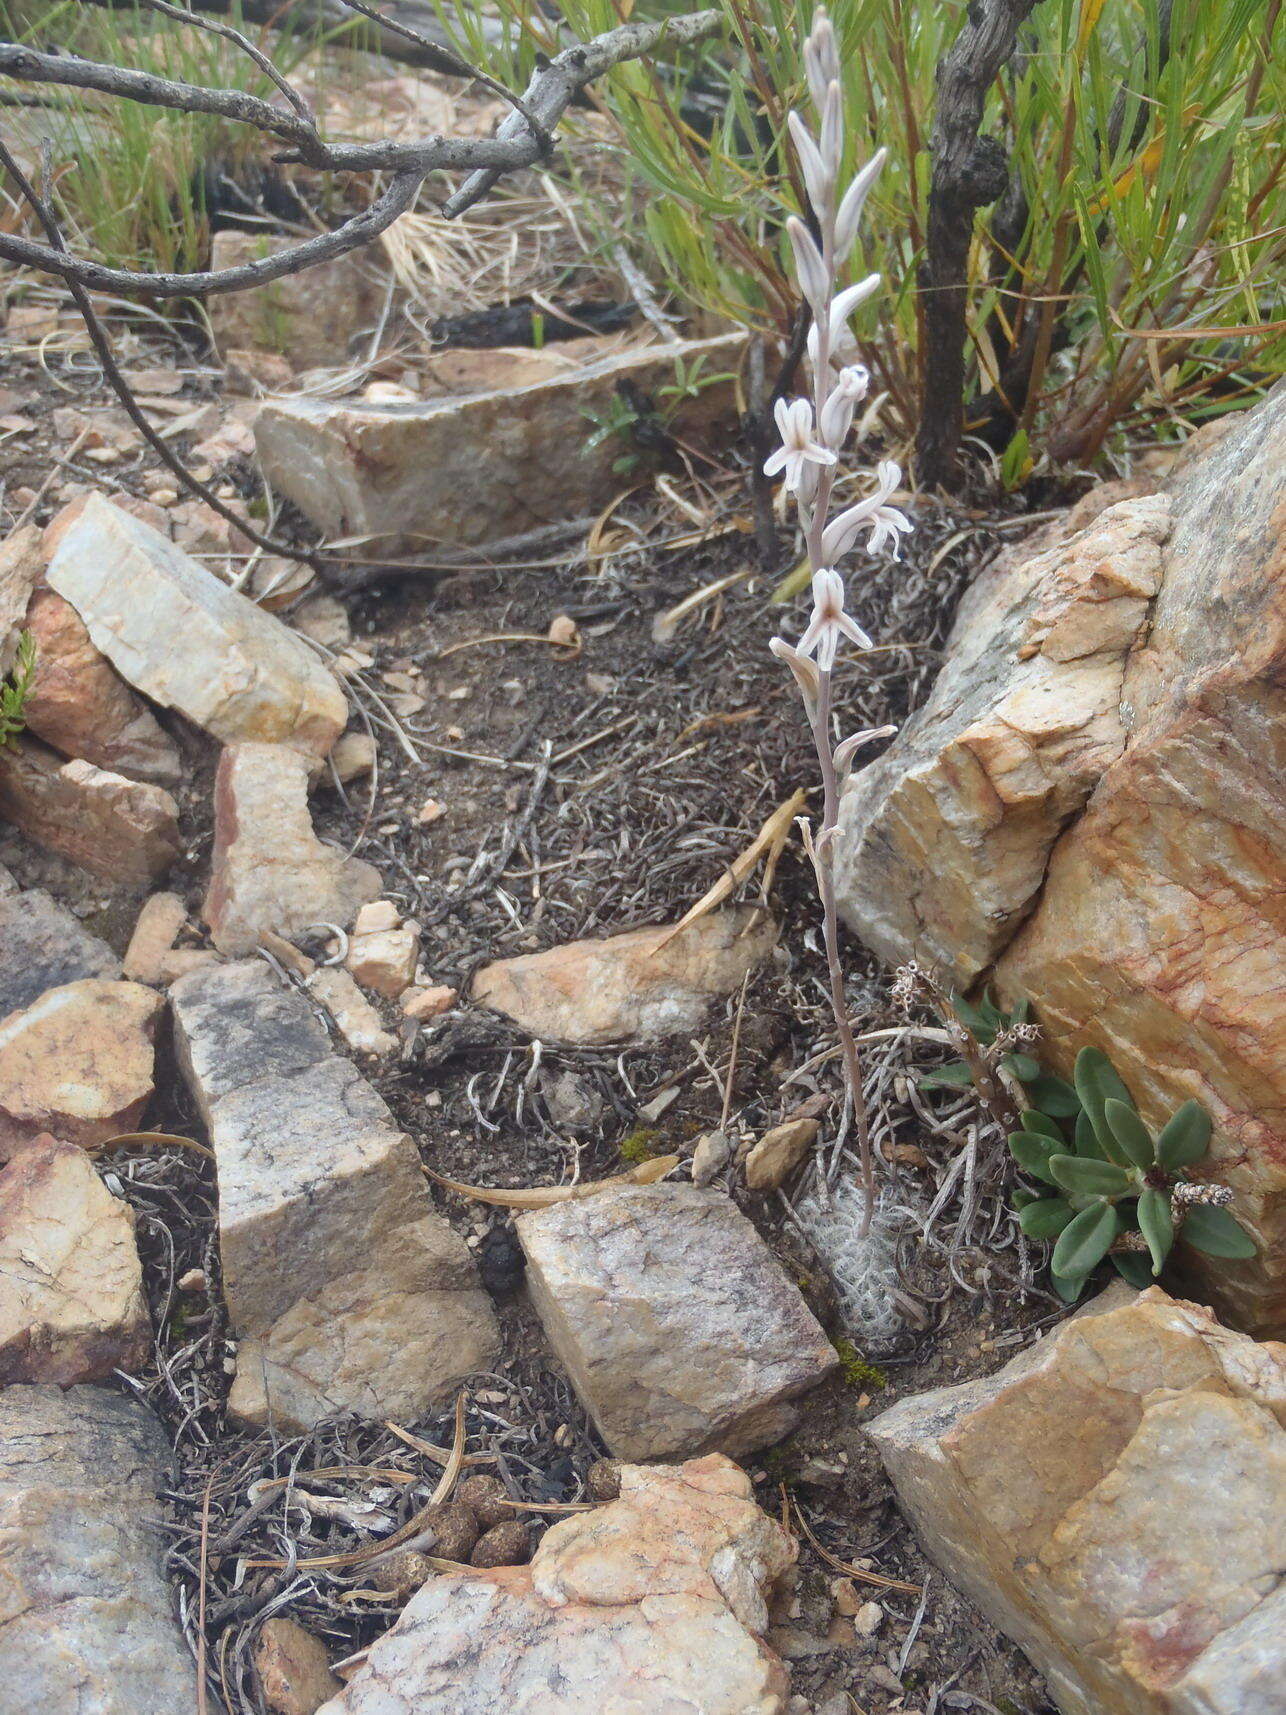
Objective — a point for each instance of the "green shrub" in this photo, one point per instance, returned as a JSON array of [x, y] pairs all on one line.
[[14, 688], [1147, 198]]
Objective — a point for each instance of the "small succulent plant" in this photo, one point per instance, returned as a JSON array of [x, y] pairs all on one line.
[[14, 689], [1117, 1191]]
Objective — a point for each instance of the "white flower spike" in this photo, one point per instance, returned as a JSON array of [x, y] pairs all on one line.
[[799, 446], [886, 523], [829, 622]]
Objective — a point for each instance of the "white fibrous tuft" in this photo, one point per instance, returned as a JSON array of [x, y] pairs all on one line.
[[862, 1268]]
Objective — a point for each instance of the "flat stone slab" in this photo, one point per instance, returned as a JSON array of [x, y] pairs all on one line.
[[1115, 1500], [241, 674], [655, 1603], [674, 1320], [71, 1287], [125, 831], [462, 472], [42, 946], [86, 1619], [349, 1291]]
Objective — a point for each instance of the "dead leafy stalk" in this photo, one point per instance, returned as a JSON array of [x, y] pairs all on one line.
[[813, 433]]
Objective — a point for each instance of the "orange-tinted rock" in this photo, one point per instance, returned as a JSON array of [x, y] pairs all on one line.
[[293, 1668], [71, 1288], [78, 1062], [126, 831], [1115, 1500], [654, 1602], [81, 706]]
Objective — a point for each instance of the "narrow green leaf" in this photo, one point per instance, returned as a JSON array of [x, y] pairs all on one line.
[[1085, 1240], [974, 1019], [1021, 1198], [1042, 1125], [1215, 1232], [1032, 1153], [1156, 1223], [1096, 1082], [1090, 1178], [1185, 1137], [1133, 1267], [952, 1076], [1130, 1132], [1046, 1218]]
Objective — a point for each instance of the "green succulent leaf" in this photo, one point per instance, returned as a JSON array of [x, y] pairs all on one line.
[[1085, 1240], [1097, 1082], [1215, 1232], [1133, 1267], [1090, 1178], [1053, 1095], [1022, 1067], [1068, 1286], [1184, 1138], [975, 1019], [991, 1012], [1156, 1223], [1042, 1125], [1046, 1218], [1032, 1153], [1087, 1143], [955, 1075], [1021, 1198], [1130, 1132]]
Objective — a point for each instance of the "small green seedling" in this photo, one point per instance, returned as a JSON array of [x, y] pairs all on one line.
[[14, 689], [1116, 1191]]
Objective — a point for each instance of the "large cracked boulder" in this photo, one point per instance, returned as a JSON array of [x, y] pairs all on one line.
[[1115, 1500], [655, 1603], [1091, 806], [348, 1290]]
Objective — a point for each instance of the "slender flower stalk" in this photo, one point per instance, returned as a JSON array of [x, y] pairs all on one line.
[[814, 433]]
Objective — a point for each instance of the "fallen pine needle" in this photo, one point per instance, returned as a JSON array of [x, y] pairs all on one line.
[[845, 1566], [543, 1196]]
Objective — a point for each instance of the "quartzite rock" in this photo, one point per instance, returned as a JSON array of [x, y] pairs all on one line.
[[293, 1668], [126, 831], [355, 1018], [944, 840], [349, 1291], [673, 1319], [1155, 933], [86, 1621], [79, 704], [77, 1062], [467, 471], [21, 563], [308, 318], [240, 673], [269, 871], [778, 1153], [1115, 1500], [655, 1603], [71, 1288], [42, 946], [645, 983]]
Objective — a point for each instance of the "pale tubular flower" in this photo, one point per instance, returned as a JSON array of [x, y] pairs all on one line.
[[819, 179], [854, 200], [799, 447], [829, 622], [810, 268], [821, 58], [848, 389], [832, 131], [845, 752], [885, 521], [846, 302]]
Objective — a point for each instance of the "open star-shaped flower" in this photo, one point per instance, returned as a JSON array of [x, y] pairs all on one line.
[[799, 445]]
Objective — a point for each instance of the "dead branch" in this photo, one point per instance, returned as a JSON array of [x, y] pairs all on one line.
[[520, 142], [969, 171]]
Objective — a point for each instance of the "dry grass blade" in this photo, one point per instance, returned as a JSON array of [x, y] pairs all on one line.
[[770, 839], [441, 1455], [455, 1463], [509, 637], [666, 624], [542, 1196], [150, 1139], [845, 1566]]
